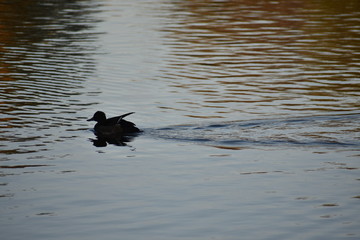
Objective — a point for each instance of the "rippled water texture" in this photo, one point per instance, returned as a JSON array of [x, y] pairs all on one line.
[[250, 112], [288, 57]]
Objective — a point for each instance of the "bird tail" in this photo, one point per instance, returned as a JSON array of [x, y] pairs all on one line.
[[124, 115]]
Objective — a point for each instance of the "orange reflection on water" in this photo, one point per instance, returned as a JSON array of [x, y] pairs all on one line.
[[256, 57]]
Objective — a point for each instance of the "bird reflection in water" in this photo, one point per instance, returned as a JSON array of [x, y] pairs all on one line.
[[118, 141]]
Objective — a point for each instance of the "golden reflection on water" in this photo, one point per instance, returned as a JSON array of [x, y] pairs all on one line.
[[45, 56], [256, 57], [44, 52]]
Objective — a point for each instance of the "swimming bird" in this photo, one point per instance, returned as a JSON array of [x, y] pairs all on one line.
[[113, 127]]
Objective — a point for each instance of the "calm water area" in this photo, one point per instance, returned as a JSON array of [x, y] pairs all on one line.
[[250, 112]]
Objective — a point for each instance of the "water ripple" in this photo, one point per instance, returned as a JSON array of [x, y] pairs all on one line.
[[318, 131], [252, 58], [45, 58]]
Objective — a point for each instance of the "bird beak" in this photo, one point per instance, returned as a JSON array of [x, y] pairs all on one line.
[[91, 119]]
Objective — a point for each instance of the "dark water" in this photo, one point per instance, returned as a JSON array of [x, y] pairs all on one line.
[[250, 112]]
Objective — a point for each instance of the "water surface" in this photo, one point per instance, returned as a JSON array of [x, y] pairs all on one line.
[[250, 112]]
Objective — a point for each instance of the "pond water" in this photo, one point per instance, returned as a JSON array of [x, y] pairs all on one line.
[[249, 110]]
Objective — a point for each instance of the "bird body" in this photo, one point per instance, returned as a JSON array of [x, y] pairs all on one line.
[[113, 127]]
